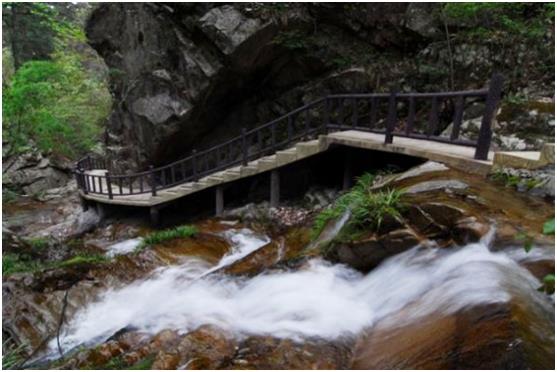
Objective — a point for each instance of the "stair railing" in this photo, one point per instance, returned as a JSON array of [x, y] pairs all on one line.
[[392, 114]]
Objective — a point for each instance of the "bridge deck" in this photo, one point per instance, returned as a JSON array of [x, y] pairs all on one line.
[[461, 157]]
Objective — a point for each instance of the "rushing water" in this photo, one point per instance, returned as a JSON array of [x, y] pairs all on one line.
[[321, 299]]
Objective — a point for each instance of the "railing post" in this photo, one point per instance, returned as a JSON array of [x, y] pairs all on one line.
[[194, 165], [307, 121], [327, 115], [244, 148], [492, 101], [433, 117], [354, 112], [391, 118], [457, 120], [153, 181], [411, 115], [108, 185], [372, 112], [289, 128]]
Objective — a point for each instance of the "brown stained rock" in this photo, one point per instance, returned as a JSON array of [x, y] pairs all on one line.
[[97, 356], [208, 347], [164, 339], [166, 360], [442, 213], [366, 254], [468, 230], [266, 352], [422, 222], [540, 268], [258, 260], [491, 336]]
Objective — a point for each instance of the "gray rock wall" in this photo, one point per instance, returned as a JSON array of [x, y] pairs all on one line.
[[188, 75]]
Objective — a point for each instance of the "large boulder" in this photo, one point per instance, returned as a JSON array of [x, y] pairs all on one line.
[[32, 173], [367, 253]]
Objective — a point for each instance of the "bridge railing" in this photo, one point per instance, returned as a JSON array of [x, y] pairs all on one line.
[[392, 114]]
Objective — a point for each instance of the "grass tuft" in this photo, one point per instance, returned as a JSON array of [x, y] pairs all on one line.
[[368, 208], [158, 237]]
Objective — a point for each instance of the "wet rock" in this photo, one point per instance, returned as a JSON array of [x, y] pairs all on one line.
[[468, 230], [436, 185], [427, 167], [165, 360], [482, 337], [442, 213], [260, 352], [208, 347], [366, 254], [423, 222], [258, 260]]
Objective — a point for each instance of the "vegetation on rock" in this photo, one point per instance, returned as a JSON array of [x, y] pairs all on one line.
[[52, 98], [157, 237], [367, 208]]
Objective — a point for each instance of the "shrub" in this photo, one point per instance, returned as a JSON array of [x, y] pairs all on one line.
[[368, 208], [55, 104], [157, 237]]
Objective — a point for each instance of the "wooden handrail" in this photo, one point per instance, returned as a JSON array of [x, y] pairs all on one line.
[[287, 129]]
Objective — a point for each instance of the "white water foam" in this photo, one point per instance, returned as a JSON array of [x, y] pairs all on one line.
[[320, 300]]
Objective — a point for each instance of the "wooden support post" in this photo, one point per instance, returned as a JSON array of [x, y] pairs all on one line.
[[347, 175], [84, 205], [102, 211], [219, 201], [154, 216], [391, 118], [492, 101], [275, 188]]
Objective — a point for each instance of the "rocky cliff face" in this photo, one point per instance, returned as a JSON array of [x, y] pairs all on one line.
[[185, 76]]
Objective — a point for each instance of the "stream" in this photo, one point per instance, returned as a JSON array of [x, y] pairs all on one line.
[[320, 300]]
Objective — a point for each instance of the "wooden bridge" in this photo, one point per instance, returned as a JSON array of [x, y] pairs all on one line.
[[369, 121]]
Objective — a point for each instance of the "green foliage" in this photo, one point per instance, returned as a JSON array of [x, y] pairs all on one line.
[[514, 19], [157, 237], [11, 356], [368, 208], [15, 263], [511, 180], [549, 227], [82, 260], [293, 40], [548, 284], [55, 104], [144, 363], [18, 263], [38, 243], [8, 195], [527, 240]]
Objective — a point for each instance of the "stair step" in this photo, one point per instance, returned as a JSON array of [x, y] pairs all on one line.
[[286, 156]]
